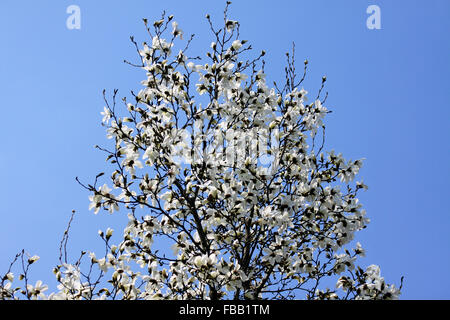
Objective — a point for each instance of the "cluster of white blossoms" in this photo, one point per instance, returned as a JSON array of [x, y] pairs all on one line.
[[230, 174]]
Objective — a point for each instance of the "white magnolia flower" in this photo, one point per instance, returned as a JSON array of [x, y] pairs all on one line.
[[236, 45], [177, 32], [37, 291], [10, 276], [33, 259], [106, 115], [230, 25]]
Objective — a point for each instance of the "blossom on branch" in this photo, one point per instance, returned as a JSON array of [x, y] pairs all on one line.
[[232, 175]]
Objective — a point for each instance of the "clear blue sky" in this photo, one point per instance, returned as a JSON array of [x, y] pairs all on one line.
[[388, 89]]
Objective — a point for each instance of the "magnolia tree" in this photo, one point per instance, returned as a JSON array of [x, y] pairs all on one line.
[[228, 171]]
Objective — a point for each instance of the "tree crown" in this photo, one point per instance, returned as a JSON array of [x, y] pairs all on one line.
[[230, 172]]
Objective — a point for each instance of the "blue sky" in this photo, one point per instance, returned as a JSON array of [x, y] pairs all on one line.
[[388, 89]]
